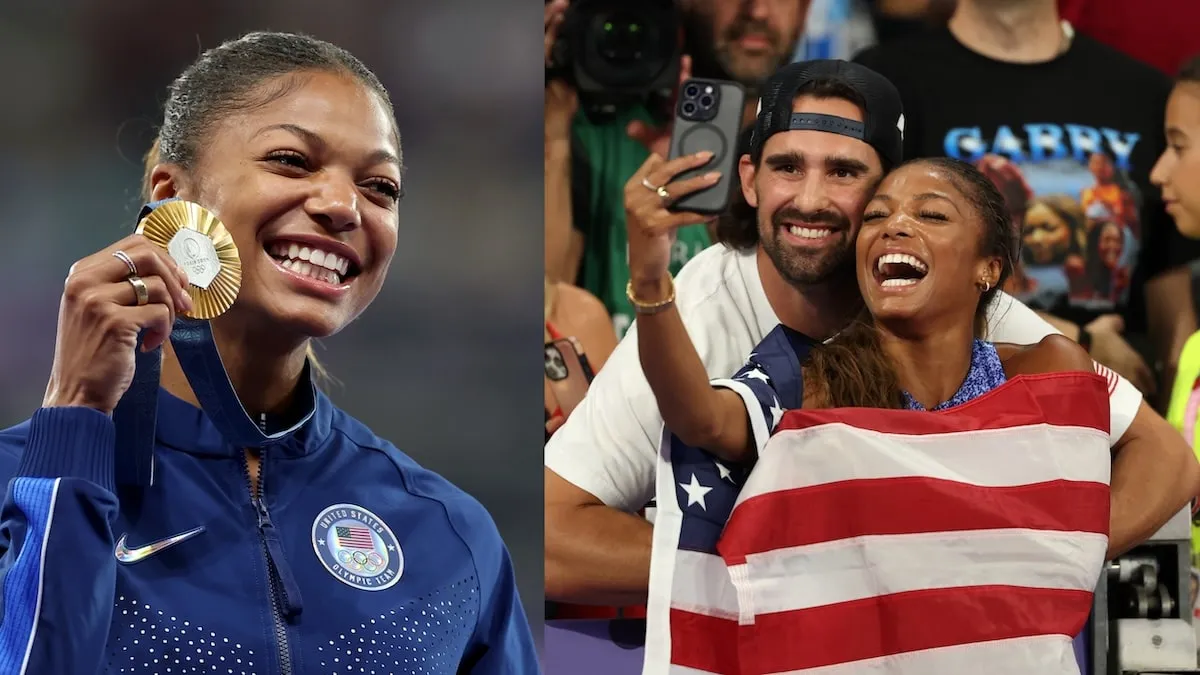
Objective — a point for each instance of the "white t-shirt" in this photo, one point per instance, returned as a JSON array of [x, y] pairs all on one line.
[[609, 444]]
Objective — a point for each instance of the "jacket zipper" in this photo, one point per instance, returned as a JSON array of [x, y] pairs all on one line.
[[265, 533]]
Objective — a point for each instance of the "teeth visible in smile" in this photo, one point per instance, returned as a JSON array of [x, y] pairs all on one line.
[[902, 259], [313, 262], [893, 283], [310, 270], [809, 232]]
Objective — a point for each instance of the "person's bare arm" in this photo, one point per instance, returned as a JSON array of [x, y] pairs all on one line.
[[564, 243], [1109, 347], [1172, 318], [715, 420], [595, 554], [1154, 472], [1154, 475], [581, 314], [702, 416]]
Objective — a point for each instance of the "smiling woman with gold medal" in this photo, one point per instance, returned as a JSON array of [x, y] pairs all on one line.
[[186, 500]]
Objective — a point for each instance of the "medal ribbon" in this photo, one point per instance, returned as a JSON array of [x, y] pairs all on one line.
[[136, 414]]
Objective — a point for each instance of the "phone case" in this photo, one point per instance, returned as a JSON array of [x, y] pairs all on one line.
[[719, 136], [568, 372]]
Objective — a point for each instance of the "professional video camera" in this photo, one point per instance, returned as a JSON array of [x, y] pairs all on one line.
[[1141, 621], [618, 52]]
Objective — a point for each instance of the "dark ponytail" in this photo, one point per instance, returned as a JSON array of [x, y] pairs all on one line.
[[228, 79]]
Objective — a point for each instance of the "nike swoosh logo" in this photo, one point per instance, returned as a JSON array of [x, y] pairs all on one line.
[[131, 555]]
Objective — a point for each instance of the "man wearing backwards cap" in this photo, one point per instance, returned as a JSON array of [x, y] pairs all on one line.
[[787, 258]]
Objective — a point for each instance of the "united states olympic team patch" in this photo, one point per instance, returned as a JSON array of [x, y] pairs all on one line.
[[357, 547]]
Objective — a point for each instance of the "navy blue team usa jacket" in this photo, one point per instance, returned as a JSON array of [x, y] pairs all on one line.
[[354, 559]]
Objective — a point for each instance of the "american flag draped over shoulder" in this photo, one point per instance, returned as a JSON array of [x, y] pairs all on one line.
[[884, 542]]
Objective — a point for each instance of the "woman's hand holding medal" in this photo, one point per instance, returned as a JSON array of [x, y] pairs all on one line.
[[109, 298]]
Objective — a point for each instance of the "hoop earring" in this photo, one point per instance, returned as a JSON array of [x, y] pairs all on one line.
[[987, 286]]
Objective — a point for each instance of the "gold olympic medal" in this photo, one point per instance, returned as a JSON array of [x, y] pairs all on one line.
[[202, 246]]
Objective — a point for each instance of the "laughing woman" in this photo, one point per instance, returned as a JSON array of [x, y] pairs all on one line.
[[935, 244], [329, 550]]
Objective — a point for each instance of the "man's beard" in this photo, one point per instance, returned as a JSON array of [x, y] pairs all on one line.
[[715, 61], [804, 268]]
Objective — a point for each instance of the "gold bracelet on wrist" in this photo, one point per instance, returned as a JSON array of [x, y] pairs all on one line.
[[650, 307]]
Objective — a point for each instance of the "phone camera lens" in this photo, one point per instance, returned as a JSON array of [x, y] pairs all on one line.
[[689, 108], [691, 91], [706, 101]]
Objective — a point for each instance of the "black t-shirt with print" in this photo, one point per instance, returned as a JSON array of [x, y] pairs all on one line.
[[1070, 142]]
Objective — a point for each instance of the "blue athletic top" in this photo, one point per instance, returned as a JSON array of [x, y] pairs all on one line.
[[986, 373], [354, 559]]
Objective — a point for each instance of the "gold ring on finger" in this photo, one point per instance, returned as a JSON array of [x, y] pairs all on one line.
[[649, 186], [124, 257], [140, 290], [663, 194]]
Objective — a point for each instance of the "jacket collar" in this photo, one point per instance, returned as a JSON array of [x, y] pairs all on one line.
[[183, 426]]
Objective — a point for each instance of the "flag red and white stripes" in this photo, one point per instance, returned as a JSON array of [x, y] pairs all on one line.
[[896, 542], [1110, 378]]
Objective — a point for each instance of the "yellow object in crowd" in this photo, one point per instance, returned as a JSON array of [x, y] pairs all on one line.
[[1184, 411]]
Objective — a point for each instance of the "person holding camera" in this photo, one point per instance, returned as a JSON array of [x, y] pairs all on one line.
[[597, 137]]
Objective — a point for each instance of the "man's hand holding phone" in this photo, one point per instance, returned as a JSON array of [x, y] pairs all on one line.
[[650, 222]]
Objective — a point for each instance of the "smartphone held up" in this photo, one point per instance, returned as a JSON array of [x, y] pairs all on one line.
[[708, 117]]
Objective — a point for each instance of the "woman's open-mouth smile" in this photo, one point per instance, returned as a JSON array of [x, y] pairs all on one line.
[[899, 272]]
